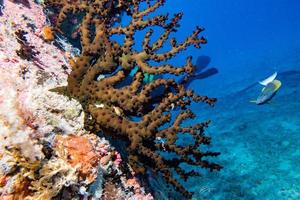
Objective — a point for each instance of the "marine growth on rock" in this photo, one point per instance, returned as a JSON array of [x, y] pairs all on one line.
[[45, 153], [113, 107]]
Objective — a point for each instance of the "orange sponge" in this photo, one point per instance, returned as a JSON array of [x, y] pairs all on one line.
[[47, 33]]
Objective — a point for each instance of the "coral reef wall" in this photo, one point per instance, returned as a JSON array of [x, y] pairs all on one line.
[[132, 111], [45, 153]]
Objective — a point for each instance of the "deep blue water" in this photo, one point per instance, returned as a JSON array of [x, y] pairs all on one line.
[[248, 41]]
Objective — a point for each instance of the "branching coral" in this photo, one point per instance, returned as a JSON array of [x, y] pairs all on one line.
[[109, 105]]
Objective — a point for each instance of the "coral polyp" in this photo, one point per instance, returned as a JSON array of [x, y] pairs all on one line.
[[111, 106]]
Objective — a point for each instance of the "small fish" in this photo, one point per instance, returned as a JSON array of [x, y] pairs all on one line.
[[148, 78], [269, 91]]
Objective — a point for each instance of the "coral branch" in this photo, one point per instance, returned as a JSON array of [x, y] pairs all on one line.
[[98, 76]]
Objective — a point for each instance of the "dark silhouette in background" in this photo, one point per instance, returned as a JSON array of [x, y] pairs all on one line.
[[200, 71]]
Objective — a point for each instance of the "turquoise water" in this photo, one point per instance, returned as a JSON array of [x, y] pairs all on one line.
[[259, 145]]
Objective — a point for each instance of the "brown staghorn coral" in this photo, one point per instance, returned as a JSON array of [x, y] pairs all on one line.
[[108, 105]]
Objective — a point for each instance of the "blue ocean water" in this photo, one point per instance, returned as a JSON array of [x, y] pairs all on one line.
[[247, 42]]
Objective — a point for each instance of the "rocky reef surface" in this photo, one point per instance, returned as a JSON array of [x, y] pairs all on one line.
[[44, 151]]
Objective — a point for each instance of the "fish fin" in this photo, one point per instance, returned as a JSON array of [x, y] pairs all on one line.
[[268, 80], [253, 101]]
